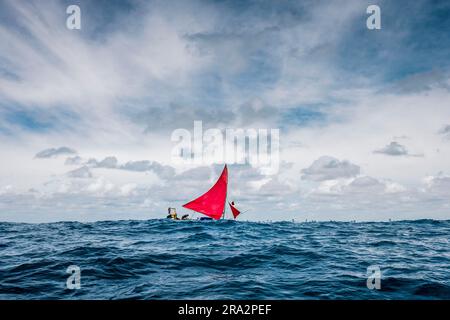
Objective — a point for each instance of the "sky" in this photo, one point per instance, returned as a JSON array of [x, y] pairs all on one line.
[[86, 116]]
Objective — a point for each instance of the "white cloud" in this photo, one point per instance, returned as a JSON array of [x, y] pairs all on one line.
[[100, 186], [445, 131], [82, 172], [393, 149], [6, 189], [329, 168], [54, 152], [423, 81], [163, 171], [276, 187], [108, 162], [70, 161], [438, 185], [128, 189], [396, 149]]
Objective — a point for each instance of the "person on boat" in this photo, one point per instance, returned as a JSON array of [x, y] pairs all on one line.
[[172, 214]]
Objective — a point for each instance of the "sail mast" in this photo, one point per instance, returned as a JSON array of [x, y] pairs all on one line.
[[225, 203]]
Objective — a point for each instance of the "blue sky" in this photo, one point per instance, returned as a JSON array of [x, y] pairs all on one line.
[[137, 70]]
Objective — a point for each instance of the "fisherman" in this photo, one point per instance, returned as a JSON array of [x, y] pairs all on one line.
[[172, 214]]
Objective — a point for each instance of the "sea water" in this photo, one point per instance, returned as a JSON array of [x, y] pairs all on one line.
[[164, 259]]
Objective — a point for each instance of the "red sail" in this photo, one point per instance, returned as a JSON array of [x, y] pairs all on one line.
[[212, 203], [234, 210]]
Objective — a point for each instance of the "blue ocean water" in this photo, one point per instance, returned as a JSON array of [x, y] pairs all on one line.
[[163, 259]]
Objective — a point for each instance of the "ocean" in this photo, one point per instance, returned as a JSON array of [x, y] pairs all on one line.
[[163, 259]]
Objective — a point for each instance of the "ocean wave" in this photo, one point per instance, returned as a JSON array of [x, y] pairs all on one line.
[[163, 259]]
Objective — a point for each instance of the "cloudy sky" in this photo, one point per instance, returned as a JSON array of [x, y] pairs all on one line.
[[86, 115]]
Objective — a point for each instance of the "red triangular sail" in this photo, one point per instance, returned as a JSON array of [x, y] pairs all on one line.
[[212, 203], [234, 210]]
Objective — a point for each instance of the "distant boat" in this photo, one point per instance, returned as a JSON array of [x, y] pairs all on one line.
[[212, 203]]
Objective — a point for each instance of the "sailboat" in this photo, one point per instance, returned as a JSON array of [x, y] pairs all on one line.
[[212, 203]]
